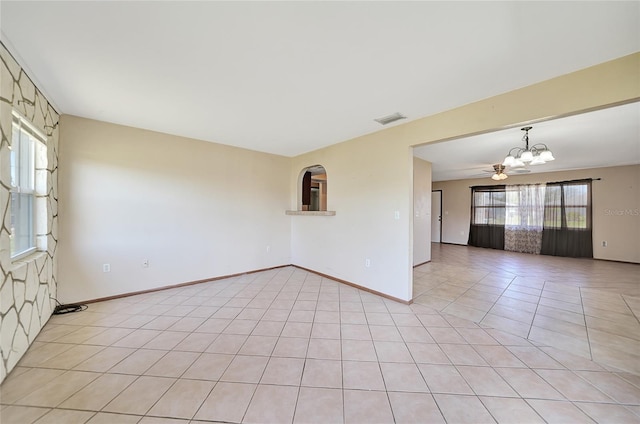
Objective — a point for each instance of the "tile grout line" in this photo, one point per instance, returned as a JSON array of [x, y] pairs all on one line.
[[496, 301], [304, 367], [535, 312], [586, 326], [630, 308], [384, 382]]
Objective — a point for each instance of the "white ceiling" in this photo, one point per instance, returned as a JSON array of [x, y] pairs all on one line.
[[291, 77], [607, 137]]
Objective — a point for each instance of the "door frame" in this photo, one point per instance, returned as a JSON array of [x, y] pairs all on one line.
[[439, 214]]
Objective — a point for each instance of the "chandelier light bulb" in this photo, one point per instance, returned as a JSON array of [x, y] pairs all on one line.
[[547, 156], [537, 160], [517, 164], [509, 161], [526, 156]]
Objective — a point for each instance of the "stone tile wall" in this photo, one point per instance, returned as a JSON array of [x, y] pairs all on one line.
[[27, 286]]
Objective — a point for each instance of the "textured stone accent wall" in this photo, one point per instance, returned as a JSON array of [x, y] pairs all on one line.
[[28, 286]]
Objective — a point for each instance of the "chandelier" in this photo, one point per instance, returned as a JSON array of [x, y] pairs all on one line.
[[534, 155]]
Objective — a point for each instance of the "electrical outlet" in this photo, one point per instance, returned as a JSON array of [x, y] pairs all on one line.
[[106, 267], [367, 263], [604, 244], [145, 263]]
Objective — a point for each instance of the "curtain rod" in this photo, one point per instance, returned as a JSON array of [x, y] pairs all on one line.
[[575, 181], [553, 182]]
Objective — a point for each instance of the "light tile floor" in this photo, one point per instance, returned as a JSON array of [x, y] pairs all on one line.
[[583, 306], [286, 345]]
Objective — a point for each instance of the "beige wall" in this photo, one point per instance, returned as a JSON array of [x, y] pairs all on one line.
[[194, 209], [367, 184], [616, 208], [370, 176], [28, 286], [421, 211]]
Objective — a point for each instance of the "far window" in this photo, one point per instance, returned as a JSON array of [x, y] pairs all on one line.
[[488, 205], [567, 205], [26, 142], [548, 219]]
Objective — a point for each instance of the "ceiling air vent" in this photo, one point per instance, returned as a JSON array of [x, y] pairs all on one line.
[[390, 118]]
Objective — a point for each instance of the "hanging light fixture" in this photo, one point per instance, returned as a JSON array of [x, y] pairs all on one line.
[[499, 174], [537, 154]]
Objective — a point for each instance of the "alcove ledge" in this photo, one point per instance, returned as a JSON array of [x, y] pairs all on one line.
[[310, 213]]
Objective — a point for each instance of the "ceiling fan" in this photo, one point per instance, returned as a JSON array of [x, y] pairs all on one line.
[[499, 172]]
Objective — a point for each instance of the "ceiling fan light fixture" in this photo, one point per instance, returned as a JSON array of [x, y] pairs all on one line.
[[499, 173], [499, 176]]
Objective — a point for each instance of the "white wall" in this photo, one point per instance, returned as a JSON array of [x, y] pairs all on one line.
[[421, 211], [194, 209]]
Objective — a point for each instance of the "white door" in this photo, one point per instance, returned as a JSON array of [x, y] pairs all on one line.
[[436, 216]]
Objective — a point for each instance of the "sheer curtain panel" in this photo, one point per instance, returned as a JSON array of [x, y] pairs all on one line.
[[525, 214]]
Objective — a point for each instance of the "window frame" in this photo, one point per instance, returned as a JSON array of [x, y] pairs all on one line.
[[564, 207], [19, 187], [488, 205]]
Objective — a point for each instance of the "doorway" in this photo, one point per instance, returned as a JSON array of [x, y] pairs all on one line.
[[436, 216]]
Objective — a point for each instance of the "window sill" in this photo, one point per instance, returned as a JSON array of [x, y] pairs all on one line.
[[311, 213], [24, 260]]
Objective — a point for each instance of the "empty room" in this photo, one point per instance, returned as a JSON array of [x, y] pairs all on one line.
[[319, 212]]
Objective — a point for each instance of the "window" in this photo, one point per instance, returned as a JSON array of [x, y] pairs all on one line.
[[488, 213], [489, 205], [567, 219], [567, 205], [548, 219], [27, 165], [525, 206]]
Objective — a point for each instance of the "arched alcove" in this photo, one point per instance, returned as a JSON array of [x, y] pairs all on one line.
[[312, 194]]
